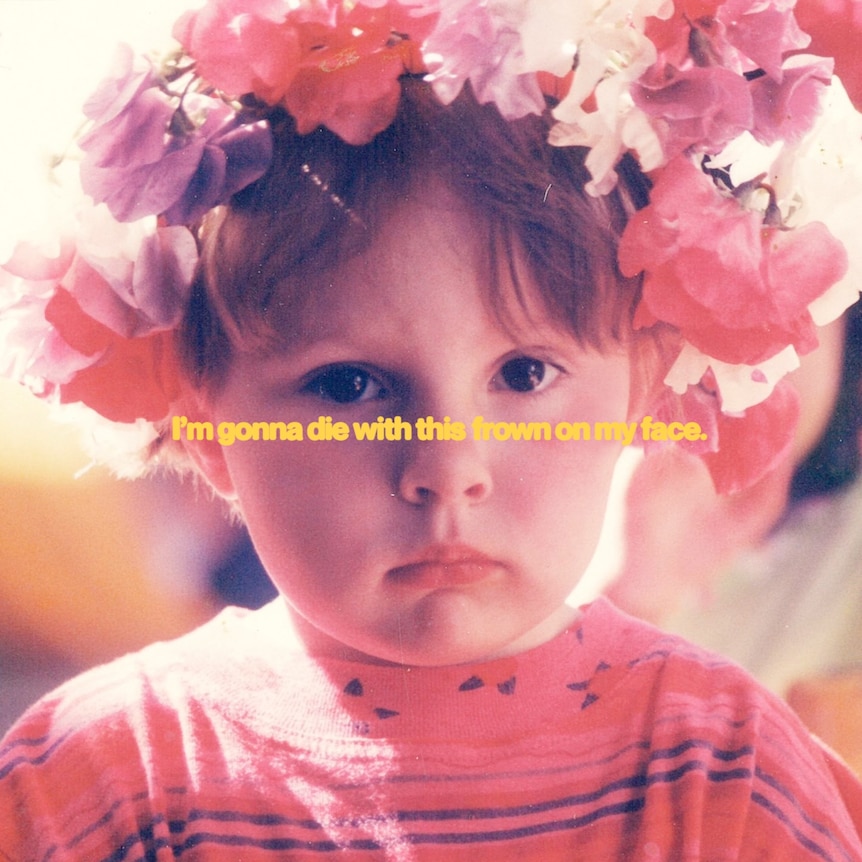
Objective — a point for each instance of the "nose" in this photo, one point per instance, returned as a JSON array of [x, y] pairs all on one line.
[[444, 472]]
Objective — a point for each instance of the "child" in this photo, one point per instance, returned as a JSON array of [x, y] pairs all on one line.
[[387, 241]]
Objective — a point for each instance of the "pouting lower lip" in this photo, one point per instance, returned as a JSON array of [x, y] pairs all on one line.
[[437, 573]]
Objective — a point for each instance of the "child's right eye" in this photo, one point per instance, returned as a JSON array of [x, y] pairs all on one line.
[[345, 384]]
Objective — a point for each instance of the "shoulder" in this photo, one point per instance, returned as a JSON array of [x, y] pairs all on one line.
[[717, 747], [158, 672], [681, 689], [88, 751]]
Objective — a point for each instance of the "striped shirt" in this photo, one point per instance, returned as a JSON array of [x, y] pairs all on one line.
[[612, 741]]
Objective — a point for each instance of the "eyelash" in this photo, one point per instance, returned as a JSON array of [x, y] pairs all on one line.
[[339, 383], [349, 384]]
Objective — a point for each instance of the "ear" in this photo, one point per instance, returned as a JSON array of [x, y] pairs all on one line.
[[197, 434], [208, 457]]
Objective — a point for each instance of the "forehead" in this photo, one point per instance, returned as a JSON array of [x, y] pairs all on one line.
[[430, 256]]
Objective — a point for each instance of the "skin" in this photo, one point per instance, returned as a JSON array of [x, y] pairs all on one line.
[[421, 552]]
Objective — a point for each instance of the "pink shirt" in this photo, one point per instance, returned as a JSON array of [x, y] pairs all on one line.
[[613, 741]]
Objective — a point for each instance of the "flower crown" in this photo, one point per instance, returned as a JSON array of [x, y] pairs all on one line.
[[752, 148]]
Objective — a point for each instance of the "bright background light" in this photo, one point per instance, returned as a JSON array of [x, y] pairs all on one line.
[[87, 566], [52, 55]]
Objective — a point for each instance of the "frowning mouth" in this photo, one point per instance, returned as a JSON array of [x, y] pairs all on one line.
[[445, 565]]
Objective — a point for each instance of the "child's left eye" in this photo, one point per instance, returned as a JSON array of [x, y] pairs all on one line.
[[525, 374], [346, 384]]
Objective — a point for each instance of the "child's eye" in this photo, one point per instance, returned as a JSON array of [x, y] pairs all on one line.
[[525, 374], [346, 384]]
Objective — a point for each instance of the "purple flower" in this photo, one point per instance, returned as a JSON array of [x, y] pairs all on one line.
[[147, 154], [704, 108], [129, 76], [233, 155], [787, 108]]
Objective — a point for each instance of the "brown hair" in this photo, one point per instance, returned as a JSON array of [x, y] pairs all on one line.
[[321, 200]]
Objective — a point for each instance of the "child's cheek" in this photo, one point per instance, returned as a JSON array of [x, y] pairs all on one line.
[[546, 478]]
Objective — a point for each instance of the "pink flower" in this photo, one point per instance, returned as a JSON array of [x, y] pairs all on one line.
[[749, 446], [762, 32], [737, 290], [31, 352], [741, 35], [472, 43], [787, 108], [703, 108], [132, 278]]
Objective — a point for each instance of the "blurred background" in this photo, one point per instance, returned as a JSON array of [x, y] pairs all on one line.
[[90, 567]]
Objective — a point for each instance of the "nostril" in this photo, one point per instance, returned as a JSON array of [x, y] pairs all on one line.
[[424, 495], [477, 491], [440, 475]]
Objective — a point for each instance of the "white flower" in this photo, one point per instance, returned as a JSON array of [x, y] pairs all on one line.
[[613, 52], [820, 179], [739, 386]]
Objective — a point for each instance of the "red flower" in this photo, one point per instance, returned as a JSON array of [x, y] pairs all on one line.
[[740, 449], [737, 290], [349, 71], [332, 64], [243, 46], [130, 378], [691, 24], [835, 27], [750, 446]]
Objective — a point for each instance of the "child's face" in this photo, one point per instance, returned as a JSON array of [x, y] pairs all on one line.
[[412, 551]]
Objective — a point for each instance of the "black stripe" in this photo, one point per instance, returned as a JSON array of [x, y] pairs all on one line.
[[106, 818], [274, 844], [637, 781], [271, 819], [32, 761], [469, 815], [281, 844], [630, 806], [775, 784], [23, 741], [634, 782], [718, 753], [778, 814]]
